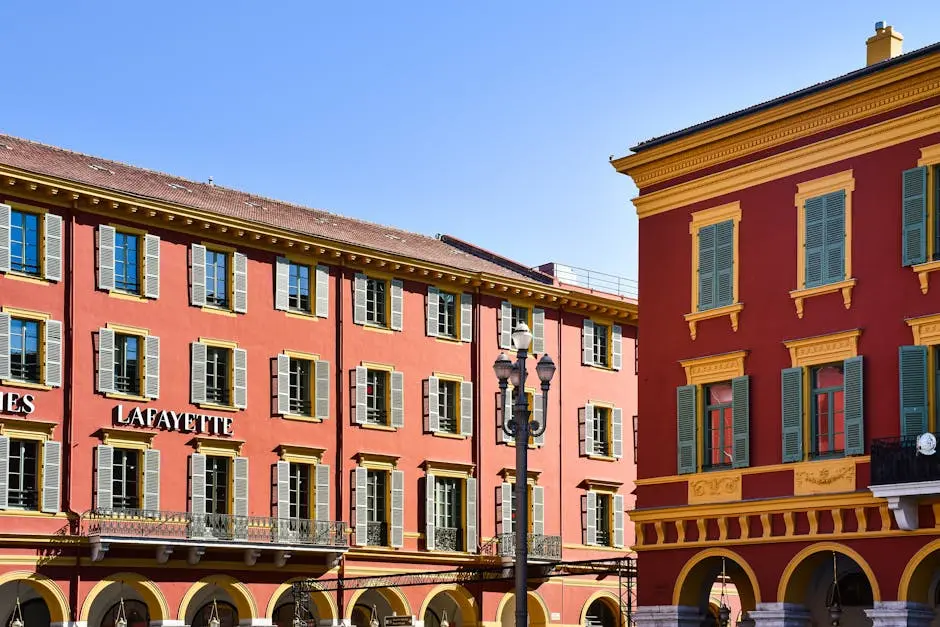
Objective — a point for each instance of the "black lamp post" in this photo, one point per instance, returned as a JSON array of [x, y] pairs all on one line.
[[520, 428]]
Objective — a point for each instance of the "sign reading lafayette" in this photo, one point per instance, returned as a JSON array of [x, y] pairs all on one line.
[[184, 422], [11, 403]]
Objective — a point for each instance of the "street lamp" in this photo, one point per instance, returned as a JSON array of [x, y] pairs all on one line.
[[519, 427]]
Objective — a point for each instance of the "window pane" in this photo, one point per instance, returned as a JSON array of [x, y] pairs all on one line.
[[217, 485], [127, 369], [718, 441], [216, 278], [217, 375], [299, 288], [601, 431], [600, 344], [125, 479], [300, 395], [519, 315], [24, 350], [300, 491], [376, 397], [447, 405], [23, 475], [375, 301], [24, 242], [603, 519], [126, 262], [828, 406], [447, 314]]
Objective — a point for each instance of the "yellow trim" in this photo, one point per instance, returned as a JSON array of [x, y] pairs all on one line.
[[447, 377], [534, 619], [925, 329], [25, 384], [371, 326], [299, 315], [922, 581], [239, 592], [375, 427], [127, 330], [126, 397], [326, 606], [300, 454], [214, 407], [126, 296], [46, 588], [26, 313], [27, 278], [26, 429], [797, 597], [32, 513], [714, 487], [208, 341], [749, 598], [122, 438], [127, 229], [842, 181], [392, 595], [466, 603], [371, 365], [825, 476], [149, 592], [714, 368], [608, 598], [823, 349], [923, 270], [753, 470], [448, 469], [301, 418], [449, 436], [219, 248], [732, 311], [701, 219], [218, 447], [219, 311], [845, 287], [377, 461], [302, 356], [929, 155], [757, 507]]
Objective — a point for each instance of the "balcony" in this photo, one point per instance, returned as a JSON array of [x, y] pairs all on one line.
[[448, 539], [377, 534], [542, 548], [902, 475], [196, 533]]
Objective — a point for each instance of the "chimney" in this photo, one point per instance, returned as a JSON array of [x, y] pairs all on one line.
[[884, 44]]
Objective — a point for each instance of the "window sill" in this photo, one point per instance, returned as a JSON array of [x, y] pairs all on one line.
[[603, 458], [601, 368], [215, 407], [923, 270], [732, 311], [450, 436], [25, 384], [126, 397], [219, 312], [301, 418], [845, 287], [446, 339], [376, 328], [367, 425], [32, 513], [27, 278], [512, 443], [127, 296], [300, 315]]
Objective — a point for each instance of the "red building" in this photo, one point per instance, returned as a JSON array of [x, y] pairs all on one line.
[[799, 343], [207, 395]]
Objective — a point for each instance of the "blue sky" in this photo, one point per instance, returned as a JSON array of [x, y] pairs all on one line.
[[489, 120]]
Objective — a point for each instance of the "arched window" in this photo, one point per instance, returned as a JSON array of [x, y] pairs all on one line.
[[600, 614], [136, 612], [35, 612], [228, 615]]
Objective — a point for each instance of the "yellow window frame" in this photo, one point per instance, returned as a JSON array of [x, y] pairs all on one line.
[[41, 318], [388, 369], [930, 157], [700, 219], [141, 260], [387, 280], [142, 335], [41, 241], [609, 348], [609, 419], [312, 358], [40, 432], [457, 380], [457, 314]]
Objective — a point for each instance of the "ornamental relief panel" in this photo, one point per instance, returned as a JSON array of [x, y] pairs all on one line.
[[716, 488], [824, 477]]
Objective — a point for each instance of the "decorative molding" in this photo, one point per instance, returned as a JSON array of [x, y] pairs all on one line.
[[923, 270], [126, 438], [732, 311], [448, 469], [823, 349], [216, 446], [715, 488], [714, 368], [751, 470], [824, 477], [377, 461], [929, 155], [700, 219], [845, 287], [926, 329], [840, 181], [27, 429], [300, 454]]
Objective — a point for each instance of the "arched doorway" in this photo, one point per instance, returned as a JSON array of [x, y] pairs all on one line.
[[229, 595], [716, 577], [226, 612], [822, 576], [281, 607], [41, 600], [376, 604], [538, 614], [452, 603], [143, 601], [602, 612], [135, 613], [32, 611]]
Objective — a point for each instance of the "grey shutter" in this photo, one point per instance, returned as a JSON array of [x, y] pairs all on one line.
[[835, 236], [106, 236], [686, 406], [322, 291], [240, 372], [240, 282], [51, 476], [431, 310], [791, 393], [361, 503], [538, 415], [53, 331], [466, 317], [283, 384], [434, 417], [724, 263], [471, 515], [466, 408], [4, 470], [854, 406], [197, 275], [618, 520], [587, 427], [913, 380], [617, 429], [4, 344], [397, 300], [53, 254], [590, 527], [359, 298], [398, 399], [538, 510], [505, 325], [240, 486], [104, 484], [281, 283], [198, 373], [429, 521], [617, 346], [5, 217], [538, 331], [106, 361], [197, 478], [587, 343], [505, 509], [506, 413], [815, 240], [914, 216], [706, 267], [283, 490], [398, 508], [361, 397], [322, 369], [741, 421], [152, 480], [152, 266], [323, 492], [152, 366]]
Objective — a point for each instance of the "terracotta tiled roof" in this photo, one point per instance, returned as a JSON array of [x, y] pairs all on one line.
[[147, 184]]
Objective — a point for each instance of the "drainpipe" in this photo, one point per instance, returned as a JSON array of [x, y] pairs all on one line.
[[69, 405], [560, 420], [476, 359], [340, 425]]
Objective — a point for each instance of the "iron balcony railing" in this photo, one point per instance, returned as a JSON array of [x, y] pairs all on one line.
[[153, 524], [448, 539], [541, 547], [377, 534], [896, 460]]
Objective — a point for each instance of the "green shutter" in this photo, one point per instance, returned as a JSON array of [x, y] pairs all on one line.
[[791, 392], [686, 419], [854, 407], [814, 213], [913, 377], [706, 267], [741, 418], [724, 263], [835, 237], [914, 216]]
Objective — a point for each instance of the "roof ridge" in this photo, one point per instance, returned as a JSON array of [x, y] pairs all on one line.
[[489, 255]]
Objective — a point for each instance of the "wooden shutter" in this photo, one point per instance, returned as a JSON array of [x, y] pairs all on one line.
[[913, 376], [686, 419], [4, 345], [240, 282], [5, 218], [4, 472], [398, 399], [283, 384], [197, 484], [505, 325], [151, 480], [741, 422], [471, 515], [590, 525], [360, 380], [538, 331], [914, 216], [322, 291], [505, 507], [104, 484], [616, 427], [616, 343], [323, 492], [322, 391], [398, 508], [587, 343], [361, 504], [53, 348], [433, 414], [724, 263], [466, 317], [397, 289], [106, 235], [466, 408], [240, 372], [51, 476], [791, 392], [151, 266], [282, 477], [706, 267], [282, 283], [618, 520], [854, 406], [815, 241], [432, 306], [197, 382], [240, 486], [359, 298], [197, 275], [835, 236], [53, 252], [505, 413], [587, 429], [429, 521], [106, 361], [538, 510], [538, 415], [152, 366]]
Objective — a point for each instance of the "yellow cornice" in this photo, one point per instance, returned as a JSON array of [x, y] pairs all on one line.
[[123, 438], [926, 330], [27, 429], [823, 349], [714, 368], [377, 461], [216, 446]]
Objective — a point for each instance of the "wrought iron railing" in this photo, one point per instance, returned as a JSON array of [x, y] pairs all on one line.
[[448, 538], [300, 406], [541, 547], [377, 534], [127, 384], [896, 460], [154, 524]]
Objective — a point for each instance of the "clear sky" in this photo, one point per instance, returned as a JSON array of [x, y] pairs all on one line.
[[490, 120]]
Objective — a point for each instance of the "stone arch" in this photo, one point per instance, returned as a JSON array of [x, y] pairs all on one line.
[[539, 618], [693, 584], [796, 576], [606, 597], [46, 588], [462, 598], [918, 576], [325, 604], [240, 594], [147, 589], [393, 596]]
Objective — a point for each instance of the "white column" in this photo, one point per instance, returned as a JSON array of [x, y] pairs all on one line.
[[900, 614], [780, 615], [667, 616]]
